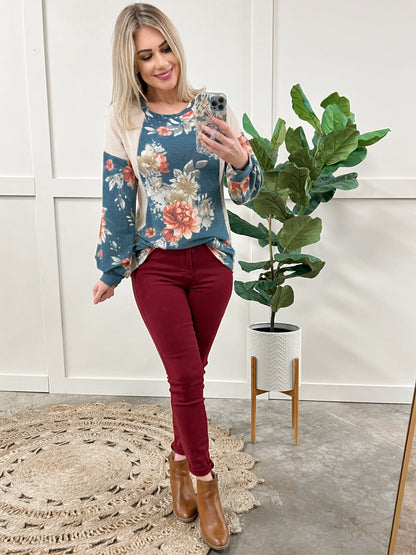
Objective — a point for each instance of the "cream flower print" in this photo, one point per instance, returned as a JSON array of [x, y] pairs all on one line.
[[147, 161], [206, 212], [152, 159], [185, 183]]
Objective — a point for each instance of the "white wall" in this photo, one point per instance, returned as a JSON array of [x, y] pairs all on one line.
[[58, 59]]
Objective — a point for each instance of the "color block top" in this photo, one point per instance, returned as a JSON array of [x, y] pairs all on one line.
[[159, 192]]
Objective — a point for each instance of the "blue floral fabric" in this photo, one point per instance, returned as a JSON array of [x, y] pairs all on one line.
[[185, 202]]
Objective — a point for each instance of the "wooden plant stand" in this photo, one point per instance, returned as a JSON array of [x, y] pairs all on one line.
[[294, 393]]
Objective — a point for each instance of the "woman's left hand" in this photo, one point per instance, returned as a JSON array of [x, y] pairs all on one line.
[[228, 148]]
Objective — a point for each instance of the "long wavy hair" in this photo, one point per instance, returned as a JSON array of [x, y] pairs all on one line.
[[128, 86]]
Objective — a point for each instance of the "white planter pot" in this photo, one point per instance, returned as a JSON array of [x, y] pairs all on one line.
[[275, 352]]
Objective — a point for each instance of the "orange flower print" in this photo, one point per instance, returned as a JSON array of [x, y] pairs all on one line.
[[164, 131], [100, 253], [245, 143], [128, 173], [150, 232], [181, 219], [226, 242], [188, 114], [102, 226], [109, 165], [170, 236], [163, 164], [239, 186], [125, 262]]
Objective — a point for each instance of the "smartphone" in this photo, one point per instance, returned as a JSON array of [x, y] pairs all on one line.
[[206, 106]]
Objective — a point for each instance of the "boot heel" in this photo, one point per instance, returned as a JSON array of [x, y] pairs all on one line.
[[214, 528], [183, 493]]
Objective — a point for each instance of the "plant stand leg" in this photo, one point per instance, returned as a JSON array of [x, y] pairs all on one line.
[[294, 393], [254, 393]]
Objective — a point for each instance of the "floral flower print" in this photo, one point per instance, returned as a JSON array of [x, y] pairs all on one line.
[[164, 131], [163, 164], [125, 262], [118, 179], [182, 219], [206, 212], [150, 232], [169, 236], [129, 173], [147, 161], [152, 160], [242, 186], [186, 183], [102, 227]]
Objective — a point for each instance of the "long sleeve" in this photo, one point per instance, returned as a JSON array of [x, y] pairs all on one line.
[[243, 185], [117, 229]]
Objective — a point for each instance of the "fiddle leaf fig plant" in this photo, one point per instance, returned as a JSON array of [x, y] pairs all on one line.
[[293, 189]]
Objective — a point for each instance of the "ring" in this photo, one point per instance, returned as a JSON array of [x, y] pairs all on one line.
[[213, 134]]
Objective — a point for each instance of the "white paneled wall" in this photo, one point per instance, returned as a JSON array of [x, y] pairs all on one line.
[[357, 317]]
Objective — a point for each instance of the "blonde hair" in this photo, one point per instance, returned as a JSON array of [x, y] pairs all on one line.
[[128, 87]]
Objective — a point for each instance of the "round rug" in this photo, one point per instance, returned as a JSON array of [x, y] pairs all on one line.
[[93, 479]]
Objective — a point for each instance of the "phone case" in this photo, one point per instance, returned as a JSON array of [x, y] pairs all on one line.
[[206, 106]]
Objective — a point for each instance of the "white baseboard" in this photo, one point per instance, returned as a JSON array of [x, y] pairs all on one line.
[[213, 389], [24, 382], [148, 388], [352, 393]]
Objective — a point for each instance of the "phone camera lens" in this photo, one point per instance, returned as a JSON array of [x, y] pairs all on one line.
[[214, 103], [220, 100], [221, 107]]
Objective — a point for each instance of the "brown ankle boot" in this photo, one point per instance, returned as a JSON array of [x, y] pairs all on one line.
[[183, 493], [214, 529]]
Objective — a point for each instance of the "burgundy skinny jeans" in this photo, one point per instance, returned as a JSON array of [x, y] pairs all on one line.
[[182, 296]]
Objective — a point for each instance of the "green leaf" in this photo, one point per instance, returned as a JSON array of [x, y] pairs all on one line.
[[302, 108], [265, 285], [246, 291], [295, 139], [338, 145], [352, 160], [270, 203], [300, 231], [279, 133], [297, 181], [240, 226], [345, 182], [265, 241], [312, 265], [316, 199], [372, 137], [262, 152], [333, 119], [341, 101], [250, 266], [303, 159], [270, 181], [249, 127], [282, 298]]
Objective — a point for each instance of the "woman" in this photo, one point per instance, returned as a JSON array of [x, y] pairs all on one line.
[[176, 243]]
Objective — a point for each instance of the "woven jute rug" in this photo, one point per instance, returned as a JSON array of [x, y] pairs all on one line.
[[93, 479]]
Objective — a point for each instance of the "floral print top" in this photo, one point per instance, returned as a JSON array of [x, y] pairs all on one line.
[[182, 190]]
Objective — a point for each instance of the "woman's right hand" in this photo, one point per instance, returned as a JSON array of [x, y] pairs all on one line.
[[101, 292]]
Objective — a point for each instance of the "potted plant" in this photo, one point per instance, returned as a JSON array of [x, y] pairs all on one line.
[[291, 192]]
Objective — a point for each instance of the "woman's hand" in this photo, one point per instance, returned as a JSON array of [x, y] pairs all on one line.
[[102, 292], [228, 148]]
